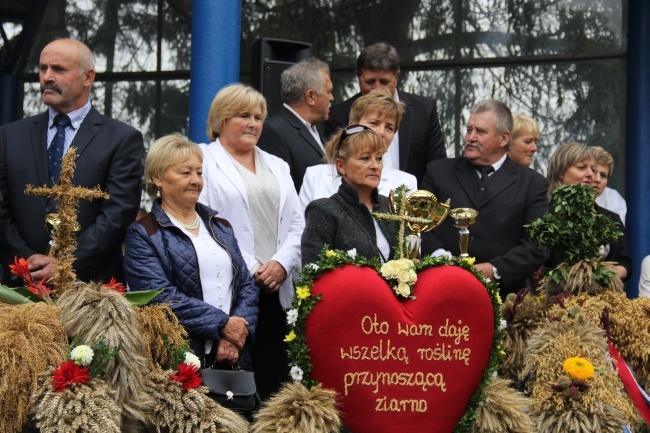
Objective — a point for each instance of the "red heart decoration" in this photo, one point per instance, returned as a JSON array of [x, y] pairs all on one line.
[[445, 335]]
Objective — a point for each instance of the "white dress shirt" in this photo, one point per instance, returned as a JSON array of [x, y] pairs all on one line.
[[613, 201]]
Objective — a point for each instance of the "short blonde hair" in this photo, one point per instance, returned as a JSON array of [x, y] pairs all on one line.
[[562, 159], [164, 152], [605, 158], [364, 141], [522, 124], [231, 100], [378, 101]]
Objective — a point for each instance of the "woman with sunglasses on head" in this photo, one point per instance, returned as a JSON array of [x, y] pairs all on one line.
[[344, 220], [379, 111]]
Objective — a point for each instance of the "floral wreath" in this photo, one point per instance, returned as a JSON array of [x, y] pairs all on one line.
[[304, 302]]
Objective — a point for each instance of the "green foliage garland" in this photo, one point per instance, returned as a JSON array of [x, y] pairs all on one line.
[[574, 231]]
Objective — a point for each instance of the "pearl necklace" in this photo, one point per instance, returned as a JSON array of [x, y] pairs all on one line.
[[192, 226]]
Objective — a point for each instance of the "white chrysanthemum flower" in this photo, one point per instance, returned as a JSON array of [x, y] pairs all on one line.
[[352, 253], [296, 373], [82, 355], [192, 359], [292, 316], [503, 325], [313, 266]]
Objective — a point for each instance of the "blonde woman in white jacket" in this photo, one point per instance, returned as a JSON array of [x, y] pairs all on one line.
[[253, 190], [379, 111]]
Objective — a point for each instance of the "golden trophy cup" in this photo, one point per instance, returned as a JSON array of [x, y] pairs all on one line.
[[52, 222], [423, 212], [464, 218]]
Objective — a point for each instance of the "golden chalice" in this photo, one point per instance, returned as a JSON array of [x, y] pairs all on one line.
[[424, 212], [464, 218], [52, 222]]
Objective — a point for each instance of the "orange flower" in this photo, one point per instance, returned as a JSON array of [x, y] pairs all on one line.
[[188, 375], [69, 373], [115, 286]]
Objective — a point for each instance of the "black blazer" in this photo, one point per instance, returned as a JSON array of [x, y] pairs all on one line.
[[109, 155], [285, 136], [420, 136], [516, 196], [343, 223]]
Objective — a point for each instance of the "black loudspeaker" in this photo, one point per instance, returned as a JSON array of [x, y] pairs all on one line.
[[270, 58]]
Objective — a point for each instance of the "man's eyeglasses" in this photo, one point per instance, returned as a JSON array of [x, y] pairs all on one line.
[[348, 131]]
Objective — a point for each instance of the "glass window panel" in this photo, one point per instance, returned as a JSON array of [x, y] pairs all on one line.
[[32, 104], [121, 34], [501, 28], [176, 36], [439, 85]]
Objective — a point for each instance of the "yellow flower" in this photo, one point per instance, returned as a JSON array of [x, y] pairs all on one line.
[[469, 260], [331, 254], [302, 292], [578, 368], [290, 337]]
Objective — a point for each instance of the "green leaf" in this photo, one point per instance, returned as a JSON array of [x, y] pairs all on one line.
[[13, 297], [24, 291], [143, 297]]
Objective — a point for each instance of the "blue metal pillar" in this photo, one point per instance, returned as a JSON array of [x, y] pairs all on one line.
[[638, 138], [216, 33]]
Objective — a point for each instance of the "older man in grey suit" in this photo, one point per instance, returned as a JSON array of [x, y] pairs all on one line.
[[109, 155], [507, 196], [291, 133]]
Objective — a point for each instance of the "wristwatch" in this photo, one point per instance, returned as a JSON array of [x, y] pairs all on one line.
[[495, 273]]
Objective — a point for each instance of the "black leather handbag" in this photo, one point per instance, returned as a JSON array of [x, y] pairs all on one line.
[[232, 389]]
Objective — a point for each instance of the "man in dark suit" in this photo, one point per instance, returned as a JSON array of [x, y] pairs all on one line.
[[419, 138], [291, 133], [507, 196], [109, 154]]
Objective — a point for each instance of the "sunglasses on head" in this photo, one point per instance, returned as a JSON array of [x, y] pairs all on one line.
[[348, 131]]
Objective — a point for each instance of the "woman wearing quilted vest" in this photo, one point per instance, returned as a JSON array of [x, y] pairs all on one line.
[[182, 247]]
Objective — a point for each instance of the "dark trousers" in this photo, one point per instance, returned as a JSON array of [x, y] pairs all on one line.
[[269, 353]]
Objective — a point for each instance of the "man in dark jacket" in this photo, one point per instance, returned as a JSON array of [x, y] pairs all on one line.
[[291, 133], [419, 139]]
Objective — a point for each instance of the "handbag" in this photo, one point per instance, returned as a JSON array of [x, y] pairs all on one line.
[[232, 389]]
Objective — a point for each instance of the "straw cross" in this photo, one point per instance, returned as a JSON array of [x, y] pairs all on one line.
[[67, 195]]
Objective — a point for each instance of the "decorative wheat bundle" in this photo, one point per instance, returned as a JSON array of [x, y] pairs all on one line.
[[179, 410], [523, 315], [82, 408], [504, 410], [160, 331], [31, 339], [93, 313], [295, 409], [572, 385]]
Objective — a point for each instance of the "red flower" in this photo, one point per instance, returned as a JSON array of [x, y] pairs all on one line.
[[115, 286], [69, 373], [188, 375], [39, 289], [21, 269]]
